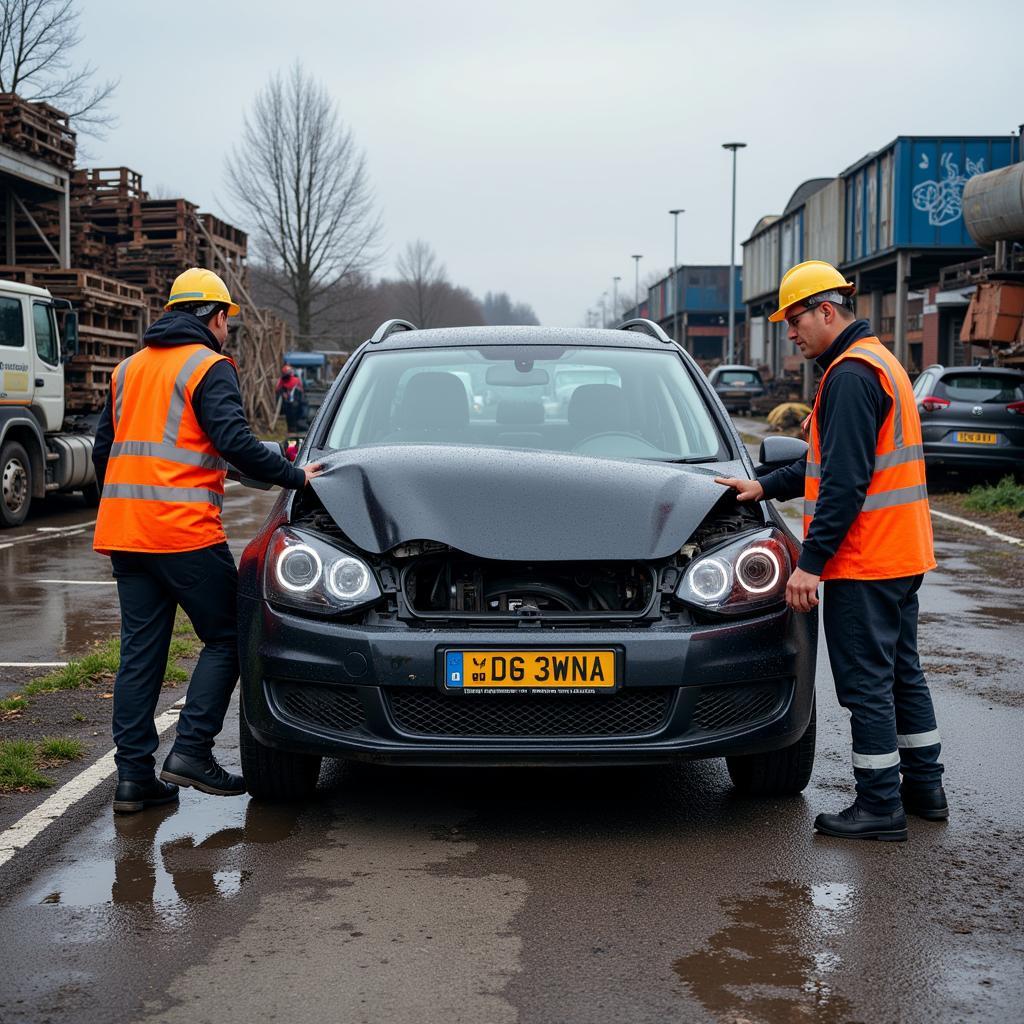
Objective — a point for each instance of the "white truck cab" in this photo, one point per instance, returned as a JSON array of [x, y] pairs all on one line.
[[39, 451]]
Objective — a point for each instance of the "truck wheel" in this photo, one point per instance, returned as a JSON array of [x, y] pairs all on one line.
[[16, 472], [782, 772], [275, 775], [91, 495]]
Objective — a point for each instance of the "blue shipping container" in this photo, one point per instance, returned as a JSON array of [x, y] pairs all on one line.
[[909, 194]]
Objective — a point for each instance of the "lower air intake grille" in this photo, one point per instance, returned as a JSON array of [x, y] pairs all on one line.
[[628, 713], [722, 707], [336, 708]]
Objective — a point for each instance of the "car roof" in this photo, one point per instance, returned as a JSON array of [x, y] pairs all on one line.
[[975, 369], [475, 337]]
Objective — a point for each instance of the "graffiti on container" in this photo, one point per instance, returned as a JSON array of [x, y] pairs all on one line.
[[942, 200]]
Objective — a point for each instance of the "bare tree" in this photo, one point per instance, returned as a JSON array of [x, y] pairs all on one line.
[[500, 309], [422, 284], [302, 182], [37, 38]]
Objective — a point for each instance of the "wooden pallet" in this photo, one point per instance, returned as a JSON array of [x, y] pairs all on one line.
[[37, 128]]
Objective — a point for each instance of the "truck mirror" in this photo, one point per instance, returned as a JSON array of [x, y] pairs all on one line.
[[70, 334]]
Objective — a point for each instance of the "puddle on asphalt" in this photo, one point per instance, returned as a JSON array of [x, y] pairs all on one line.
[[168, 857], [772, 961]]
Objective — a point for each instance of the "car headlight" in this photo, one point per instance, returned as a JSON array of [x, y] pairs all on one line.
[[302, 571], [742, 575]]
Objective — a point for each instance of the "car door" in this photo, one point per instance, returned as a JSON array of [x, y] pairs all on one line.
[[48, 375]]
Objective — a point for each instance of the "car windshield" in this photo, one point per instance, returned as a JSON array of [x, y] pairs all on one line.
[[617, 403], [738, 377], [983, 387]]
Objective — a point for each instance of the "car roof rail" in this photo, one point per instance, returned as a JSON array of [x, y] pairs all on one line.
[[647, 326], [389, 327]]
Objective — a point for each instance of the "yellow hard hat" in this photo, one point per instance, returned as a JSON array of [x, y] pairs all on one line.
[[807, 279], [199, 285]]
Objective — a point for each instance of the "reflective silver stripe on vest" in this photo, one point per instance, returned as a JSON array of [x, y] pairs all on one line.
[[911, 453], [149, 492], [885, 499], [898, 425], [876, 761], [170, 452], [119, 376], [917, 739], [172, 425]]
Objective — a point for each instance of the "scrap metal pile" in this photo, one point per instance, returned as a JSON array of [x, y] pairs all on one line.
[[126, 248]]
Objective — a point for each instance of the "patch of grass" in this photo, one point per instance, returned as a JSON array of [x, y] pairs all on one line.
[[60, 748], [94, 666], [78, 716], [18, 766], [1005, 496], [750, 438], [12, 705]]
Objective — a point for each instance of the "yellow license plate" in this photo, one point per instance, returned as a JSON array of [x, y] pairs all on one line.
[[575, 671], [967, 437]]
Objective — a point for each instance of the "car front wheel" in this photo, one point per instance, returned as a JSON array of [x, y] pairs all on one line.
[[276, 776], [782, 772]]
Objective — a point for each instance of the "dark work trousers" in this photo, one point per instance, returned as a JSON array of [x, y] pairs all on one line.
[[150, 588], [871, 630]]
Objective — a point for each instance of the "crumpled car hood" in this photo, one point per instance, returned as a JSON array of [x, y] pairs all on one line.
[[515, 505]]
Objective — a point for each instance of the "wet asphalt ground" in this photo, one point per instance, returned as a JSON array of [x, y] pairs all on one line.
[[536, 895]]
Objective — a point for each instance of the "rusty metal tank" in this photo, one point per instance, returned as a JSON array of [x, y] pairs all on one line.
[[993, 206]]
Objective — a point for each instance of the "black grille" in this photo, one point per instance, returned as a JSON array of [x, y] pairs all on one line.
[[722, 707], [628, 713], [337, 708]]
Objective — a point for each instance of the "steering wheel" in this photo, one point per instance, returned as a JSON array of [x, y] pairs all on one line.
[[628, 434]]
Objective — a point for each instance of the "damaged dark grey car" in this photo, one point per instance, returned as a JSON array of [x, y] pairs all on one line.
[[518, 555]]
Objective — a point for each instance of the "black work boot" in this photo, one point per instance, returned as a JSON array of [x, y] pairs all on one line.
[[925, 803], [202, 773], [857, 823], [132, 796]]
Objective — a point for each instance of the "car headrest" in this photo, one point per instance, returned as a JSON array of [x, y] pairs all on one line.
[[433, 400], [519, 413], [595, 407]]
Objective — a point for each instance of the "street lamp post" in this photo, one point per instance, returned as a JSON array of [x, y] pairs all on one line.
[[604, 305], [675, 272], [732, 253], [615, 297], [636, 287]]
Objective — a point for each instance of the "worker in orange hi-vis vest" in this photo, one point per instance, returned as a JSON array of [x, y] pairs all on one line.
[[868, 535], [172, 421]]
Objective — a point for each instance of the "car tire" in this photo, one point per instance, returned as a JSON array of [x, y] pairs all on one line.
[[16, 472], [275, 776], [784, 772]]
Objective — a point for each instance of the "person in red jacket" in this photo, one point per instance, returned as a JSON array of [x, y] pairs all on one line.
[[289, 390]]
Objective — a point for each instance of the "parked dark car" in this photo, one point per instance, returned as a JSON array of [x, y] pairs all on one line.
[[972, 417], [504, 587], [737, 386]]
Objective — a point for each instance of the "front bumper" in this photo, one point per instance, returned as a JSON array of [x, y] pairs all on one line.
[[371, 693]]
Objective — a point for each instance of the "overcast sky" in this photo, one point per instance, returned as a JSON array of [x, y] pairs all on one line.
[[536, 145]]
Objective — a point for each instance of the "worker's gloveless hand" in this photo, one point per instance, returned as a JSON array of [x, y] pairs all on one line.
[[746, 490], [802, 591], [313, 469]]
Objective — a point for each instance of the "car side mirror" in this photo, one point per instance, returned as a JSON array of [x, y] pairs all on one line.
[[781, 450], [70, 334], [277, 447]]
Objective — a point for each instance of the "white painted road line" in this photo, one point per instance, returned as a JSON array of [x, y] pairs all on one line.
[[987, 530], [23, 831], [83, 583], [32, 664]]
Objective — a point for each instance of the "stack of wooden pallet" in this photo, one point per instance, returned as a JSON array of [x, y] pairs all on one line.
[[38, 129], [110, 324]]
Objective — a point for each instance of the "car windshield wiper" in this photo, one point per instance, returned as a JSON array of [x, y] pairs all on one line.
[[690, 461]]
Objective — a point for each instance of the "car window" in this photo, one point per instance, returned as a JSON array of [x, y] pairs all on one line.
[[923, 384], [12, 326], [742, 377], [617, 403], [981, 387], [46, 335]]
